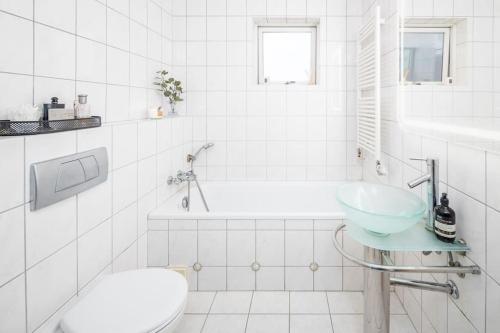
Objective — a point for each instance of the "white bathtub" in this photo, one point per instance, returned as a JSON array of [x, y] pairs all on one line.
[[257, 236], [263, 200]]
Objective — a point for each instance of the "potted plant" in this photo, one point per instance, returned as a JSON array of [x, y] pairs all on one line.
[[170, 88]]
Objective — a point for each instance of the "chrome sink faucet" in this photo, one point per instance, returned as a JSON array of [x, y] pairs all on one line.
[[432, 180]]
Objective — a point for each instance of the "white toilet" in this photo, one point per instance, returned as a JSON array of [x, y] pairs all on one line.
[[140, 301]]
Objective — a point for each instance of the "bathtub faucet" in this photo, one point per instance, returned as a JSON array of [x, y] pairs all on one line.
[[189, 176], [181, 177]]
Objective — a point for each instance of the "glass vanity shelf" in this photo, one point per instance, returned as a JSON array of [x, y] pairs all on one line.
[[416, 238]]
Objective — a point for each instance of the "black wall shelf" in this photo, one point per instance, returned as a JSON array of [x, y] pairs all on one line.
[[18, 128]]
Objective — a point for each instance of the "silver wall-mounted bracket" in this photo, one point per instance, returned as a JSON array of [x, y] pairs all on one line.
[[449, 287], [463, 242], [381, 170]]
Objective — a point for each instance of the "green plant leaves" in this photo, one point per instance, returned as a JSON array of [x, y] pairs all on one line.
[[169, 86]]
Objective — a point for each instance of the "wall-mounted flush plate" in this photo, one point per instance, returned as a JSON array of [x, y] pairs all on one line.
[[55, 180]]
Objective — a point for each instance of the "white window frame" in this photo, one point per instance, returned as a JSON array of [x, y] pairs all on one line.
[[261, 29], [446, 75]]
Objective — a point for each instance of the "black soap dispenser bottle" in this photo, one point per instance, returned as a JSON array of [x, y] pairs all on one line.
[[444, 225]]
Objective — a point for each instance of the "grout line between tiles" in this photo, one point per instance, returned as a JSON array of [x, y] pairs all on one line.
[[25, 238], [249, 309], [19, 205], [330, 309], [77, 197], [289, 312], [209, 310], [55, 312]]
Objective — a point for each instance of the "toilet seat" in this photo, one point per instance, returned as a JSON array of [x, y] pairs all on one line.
[[140, 301]]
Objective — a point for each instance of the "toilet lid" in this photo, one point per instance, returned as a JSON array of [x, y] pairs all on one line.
[[139, 301]]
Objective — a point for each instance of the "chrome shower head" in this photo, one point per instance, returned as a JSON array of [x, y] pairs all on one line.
[[208, 145], [192, 157]]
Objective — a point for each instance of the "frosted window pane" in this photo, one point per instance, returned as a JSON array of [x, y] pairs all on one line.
[[423, 56], [287, 56]]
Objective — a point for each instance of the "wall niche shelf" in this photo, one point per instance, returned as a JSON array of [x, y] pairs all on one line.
[[18, 128]]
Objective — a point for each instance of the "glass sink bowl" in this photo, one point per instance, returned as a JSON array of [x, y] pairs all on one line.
[[380, 209]]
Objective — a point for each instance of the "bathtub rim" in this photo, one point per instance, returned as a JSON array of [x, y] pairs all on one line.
[[169, 210], [157, 214]]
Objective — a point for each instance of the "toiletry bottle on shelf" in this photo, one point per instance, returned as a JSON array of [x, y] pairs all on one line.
[[444, 224], [54, 104], [82, 109]]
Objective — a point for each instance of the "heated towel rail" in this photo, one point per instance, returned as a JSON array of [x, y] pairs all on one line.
[[368, 106]]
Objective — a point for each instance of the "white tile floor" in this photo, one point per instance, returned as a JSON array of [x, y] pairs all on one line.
[[282, 312]]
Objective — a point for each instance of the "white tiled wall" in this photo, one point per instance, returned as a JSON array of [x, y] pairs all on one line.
[[472, 184], [267, 132], [102, 230], [471, 178], [63, 48], [110, 50], [226, 250], [473, 99]]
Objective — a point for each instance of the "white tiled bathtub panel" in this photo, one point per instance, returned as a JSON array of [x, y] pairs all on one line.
[[226, 250]]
